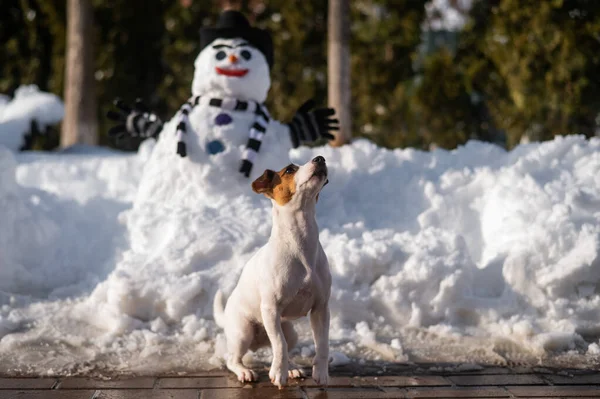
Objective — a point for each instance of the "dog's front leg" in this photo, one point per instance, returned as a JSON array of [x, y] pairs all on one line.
[[272, 322], [319, 323]]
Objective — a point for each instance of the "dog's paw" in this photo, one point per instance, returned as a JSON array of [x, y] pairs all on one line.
[[278, 376], [294, 371], [320, 374], [246, 375]]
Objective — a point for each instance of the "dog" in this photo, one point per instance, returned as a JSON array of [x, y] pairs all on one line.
[[286, 279]]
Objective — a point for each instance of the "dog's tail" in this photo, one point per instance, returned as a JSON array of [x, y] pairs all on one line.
[[219, 309]]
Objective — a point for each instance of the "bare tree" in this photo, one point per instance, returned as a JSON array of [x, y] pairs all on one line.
[[80, 125], [338, 67]]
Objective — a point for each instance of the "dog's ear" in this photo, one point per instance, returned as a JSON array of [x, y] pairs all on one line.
[[264, 184]]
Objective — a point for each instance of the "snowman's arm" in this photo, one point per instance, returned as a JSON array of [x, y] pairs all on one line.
[[309, 125], [138, 121]]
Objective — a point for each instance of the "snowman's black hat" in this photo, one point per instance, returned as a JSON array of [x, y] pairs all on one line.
[[233, 24]]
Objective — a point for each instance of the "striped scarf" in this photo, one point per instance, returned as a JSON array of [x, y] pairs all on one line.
[[255, 135]]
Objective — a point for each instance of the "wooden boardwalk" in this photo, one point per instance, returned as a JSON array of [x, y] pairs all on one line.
[[346, 383]]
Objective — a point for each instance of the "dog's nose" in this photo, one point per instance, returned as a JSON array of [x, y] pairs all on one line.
[[319, 160]]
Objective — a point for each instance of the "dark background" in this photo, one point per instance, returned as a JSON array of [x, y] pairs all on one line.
[[517, 69]]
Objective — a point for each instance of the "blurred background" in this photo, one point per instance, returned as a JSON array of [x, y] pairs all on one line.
[[422, 74]]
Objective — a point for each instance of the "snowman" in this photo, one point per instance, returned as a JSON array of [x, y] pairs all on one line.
[[194, 221], [225, 118]]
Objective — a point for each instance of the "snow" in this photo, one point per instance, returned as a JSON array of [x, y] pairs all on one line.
[[446, 14], [594, 349], [109, 261], [28, 104]]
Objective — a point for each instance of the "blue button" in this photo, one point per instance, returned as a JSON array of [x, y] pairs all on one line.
[[223, 119], [215, 147]]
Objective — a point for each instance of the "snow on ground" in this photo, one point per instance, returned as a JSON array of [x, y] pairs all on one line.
[[28, 104], [473, 255]]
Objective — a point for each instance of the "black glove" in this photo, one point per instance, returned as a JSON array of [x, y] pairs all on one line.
[[136, 122], [309, 126]]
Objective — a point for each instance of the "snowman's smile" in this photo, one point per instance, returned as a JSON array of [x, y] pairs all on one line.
[[237, 73]]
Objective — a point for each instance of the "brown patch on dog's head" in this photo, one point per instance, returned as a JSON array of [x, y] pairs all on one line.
[[279, 186], [264, 184]]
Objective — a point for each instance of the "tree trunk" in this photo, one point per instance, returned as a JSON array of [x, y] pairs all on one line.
[[338, 67], [80, 123]]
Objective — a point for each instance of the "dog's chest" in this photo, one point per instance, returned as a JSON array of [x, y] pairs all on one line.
[[301, 303]]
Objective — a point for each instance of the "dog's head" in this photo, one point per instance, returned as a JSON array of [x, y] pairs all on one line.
[[293, 184]]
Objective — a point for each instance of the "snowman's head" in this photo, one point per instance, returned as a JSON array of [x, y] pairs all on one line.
[[232, 68]]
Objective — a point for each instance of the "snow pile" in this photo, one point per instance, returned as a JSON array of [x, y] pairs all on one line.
[[28, 104], [59, 222], [472, 240], [475, 244], [85, 173]]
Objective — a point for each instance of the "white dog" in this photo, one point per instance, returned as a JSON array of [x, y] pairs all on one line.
[[284, 280]]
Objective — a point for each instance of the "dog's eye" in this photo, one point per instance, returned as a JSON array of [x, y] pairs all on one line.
[[290, 169]]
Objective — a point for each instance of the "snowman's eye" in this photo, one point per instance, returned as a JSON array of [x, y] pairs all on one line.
[[220, 55], [246, 54]]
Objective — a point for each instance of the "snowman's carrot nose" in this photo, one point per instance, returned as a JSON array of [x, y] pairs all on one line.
[[233, 59]]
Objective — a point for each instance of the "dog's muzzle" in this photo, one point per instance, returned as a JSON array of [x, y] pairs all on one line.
[[320, 166]]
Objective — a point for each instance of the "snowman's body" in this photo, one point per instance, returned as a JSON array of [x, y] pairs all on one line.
[[200, 172], [214, 140], [217, 136]]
